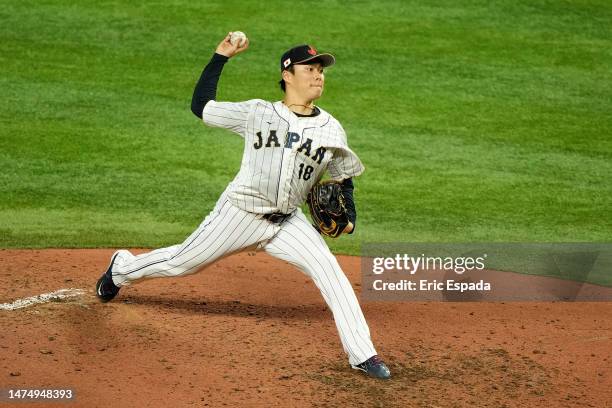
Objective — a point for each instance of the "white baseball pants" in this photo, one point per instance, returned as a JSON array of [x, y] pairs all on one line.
[[228, 229]]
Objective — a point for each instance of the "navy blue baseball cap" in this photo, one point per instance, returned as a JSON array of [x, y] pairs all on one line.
[[303, 54]]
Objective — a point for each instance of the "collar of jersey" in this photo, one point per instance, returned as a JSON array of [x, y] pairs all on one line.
[[310, 121]]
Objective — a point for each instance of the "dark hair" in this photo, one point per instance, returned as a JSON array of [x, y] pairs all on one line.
[[282, 81]]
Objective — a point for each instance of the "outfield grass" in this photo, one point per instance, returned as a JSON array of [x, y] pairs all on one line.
[[476, 120]]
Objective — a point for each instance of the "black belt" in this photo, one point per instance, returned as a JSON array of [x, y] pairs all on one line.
[[276, 218]]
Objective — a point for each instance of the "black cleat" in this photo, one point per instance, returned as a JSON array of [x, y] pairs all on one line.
[[374, 367], [105, 288]]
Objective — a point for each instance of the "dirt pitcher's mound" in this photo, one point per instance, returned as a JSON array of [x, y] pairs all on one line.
[[253, 331]]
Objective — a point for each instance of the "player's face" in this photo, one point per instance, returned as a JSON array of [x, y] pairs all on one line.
[[308, 80]]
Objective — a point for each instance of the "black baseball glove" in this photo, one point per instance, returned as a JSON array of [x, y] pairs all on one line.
[[327, 209]]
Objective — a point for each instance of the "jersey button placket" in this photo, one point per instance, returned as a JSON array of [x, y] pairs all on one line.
[[289, 172]]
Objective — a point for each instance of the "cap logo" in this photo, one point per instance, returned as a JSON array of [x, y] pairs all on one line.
[[311, 50], [287, 62]]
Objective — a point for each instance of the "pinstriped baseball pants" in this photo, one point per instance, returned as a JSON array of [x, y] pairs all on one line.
[[228, 229]]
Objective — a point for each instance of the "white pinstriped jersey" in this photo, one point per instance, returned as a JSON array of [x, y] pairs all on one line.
[[284, 154]]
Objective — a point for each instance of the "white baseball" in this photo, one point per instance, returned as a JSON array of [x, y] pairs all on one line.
[[238, 37]]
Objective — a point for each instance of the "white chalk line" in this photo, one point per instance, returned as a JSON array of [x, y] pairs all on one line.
[[45, 297]]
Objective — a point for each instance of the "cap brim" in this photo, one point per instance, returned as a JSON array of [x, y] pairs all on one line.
[[327, 60]]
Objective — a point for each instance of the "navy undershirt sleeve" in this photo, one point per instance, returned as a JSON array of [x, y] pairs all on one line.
[[347, 192], [206, 89]]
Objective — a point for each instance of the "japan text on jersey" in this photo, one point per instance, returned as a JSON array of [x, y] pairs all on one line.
[[284, 155]]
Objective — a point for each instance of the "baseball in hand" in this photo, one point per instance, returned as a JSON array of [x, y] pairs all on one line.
[[238, 37]]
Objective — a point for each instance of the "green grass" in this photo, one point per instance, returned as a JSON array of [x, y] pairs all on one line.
[[476, 120]]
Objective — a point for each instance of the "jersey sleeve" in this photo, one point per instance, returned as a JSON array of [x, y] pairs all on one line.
[[228, 115], [344, 162]]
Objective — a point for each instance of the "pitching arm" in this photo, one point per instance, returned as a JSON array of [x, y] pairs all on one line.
[[206, 89]]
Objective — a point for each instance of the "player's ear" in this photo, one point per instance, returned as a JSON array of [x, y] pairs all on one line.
[[287, 75]]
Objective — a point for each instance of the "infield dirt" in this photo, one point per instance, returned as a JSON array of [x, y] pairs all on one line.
[[253, 331]]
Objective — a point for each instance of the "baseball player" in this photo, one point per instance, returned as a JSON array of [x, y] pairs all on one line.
[[288, 146]]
